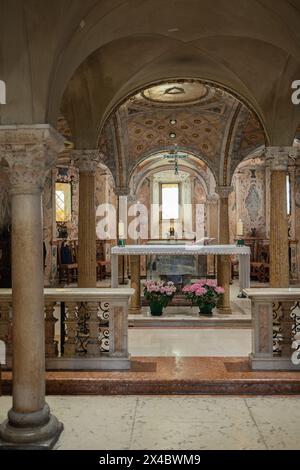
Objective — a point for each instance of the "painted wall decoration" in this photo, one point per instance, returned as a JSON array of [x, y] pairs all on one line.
[[248, 201]]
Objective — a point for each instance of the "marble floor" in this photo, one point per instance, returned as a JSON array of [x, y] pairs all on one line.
[[165, 423], [184, 342], [189, 342]]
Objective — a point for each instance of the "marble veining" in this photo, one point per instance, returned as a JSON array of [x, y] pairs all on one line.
[[179, 422]]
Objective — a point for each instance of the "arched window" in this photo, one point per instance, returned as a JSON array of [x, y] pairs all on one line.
[[2, 92]]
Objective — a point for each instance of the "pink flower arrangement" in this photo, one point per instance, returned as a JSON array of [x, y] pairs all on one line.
[[159, 291], [203, 291]]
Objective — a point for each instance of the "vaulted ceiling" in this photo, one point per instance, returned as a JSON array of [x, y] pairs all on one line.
[[85, 57], [186, 114]]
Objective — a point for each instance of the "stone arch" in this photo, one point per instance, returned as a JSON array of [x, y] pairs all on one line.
[[229, 156], [185, 166]]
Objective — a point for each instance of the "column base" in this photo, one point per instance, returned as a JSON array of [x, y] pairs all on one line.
[[135, 310], [30, 431], [224, 310]]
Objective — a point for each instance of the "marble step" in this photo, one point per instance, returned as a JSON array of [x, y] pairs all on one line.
[[172, 376]]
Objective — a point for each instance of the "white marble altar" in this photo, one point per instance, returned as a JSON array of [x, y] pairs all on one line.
[[243, 252]]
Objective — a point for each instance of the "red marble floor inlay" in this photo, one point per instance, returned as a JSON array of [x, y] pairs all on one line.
[[171, 375]]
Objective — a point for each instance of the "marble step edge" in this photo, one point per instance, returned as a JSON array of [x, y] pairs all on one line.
[[88, 386], [189, 322]]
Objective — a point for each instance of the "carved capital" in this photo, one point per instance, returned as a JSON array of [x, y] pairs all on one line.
[[122, 191], [212, 199], [278, 158], [29, 152], [224, 191], [86, 160]]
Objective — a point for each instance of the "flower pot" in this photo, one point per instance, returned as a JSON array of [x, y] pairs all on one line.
[[206, 309], [156, 308]]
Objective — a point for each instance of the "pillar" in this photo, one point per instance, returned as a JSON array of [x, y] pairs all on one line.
[[223, 262], [86, 161], [212, 227], [122, 215], [29, 151], [277, 159], [135, 302]]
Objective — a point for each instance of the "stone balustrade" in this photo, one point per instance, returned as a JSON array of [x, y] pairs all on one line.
[[275, 328], [85, 328]]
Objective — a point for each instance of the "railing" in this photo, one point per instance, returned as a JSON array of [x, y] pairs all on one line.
[[84, 328], [275, 328]]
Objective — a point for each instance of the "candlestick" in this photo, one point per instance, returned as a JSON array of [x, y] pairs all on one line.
[[240, 228], [121, 230]]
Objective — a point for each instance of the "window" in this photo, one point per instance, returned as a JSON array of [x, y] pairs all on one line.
[[63, 202], [170, 201]]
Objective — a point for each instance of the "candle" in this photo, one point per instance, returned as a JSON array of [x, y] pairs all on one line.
[[121, 230], [240, 228]]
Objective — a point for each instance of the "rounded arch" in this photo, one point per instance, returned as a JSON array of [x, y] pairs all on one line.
[[153, 167], [258, 27], [231, 128], [102, 166], [163, 150], [212, 83]]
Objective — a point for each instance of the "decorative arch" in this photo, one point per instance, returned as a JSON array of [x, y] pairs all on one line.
[[229, 141], [191, 152]]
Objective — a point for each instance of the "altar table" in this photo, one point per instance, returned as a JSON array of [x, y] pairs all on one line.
[[135, 251]]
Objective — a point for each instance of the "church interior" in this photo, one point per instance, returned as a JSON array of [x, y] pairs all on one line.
[[150, 224]]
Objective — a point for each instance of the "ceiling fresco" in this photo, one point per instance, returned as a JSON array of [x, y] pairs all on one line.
[[196, 118], [190, 114]]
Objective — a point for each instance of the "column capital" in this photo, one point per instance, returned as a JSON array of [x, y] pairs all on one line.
[[212, 199], [122, 191], [86, 160], [277, 158], [29, 152], [224, 191]]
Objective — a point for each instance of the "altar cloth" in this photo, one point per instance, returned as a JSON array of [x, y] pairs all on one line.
[[243, 252]]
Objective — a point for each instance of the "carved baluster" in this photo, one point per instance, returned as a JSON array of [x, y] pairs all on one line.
[[71, 323], [93, 348], [286, 329], [6, 330], [51, 348]]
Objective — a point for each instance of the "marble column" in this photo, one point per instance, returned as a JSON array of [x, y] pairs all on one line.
[[212, 227], [223, 262], [86, 161], [29, 152], [135, 302], [122, 217], [277, 159]]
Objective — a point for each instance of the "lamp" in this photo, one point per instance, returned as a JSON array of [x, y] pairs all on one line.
[[174, 155]]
